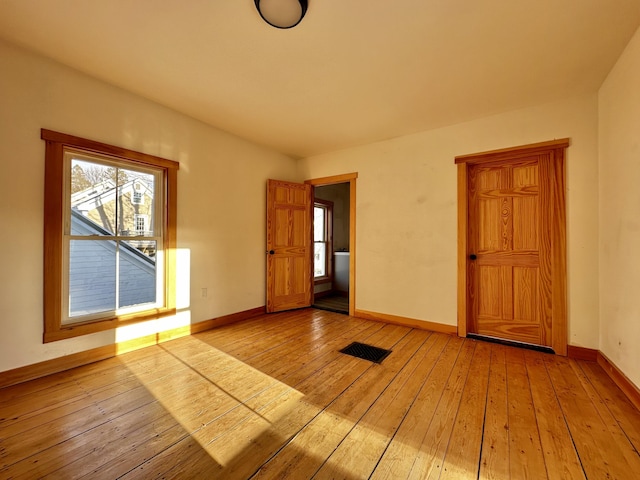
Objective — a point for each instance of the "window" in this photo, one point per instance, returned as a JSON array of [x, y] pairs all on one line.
[[108, 259], [137, 198], [322, 239], [141, 224]]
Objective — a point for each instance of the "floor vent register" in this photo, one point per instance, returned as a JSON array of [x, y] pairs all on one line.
[[366, 352]]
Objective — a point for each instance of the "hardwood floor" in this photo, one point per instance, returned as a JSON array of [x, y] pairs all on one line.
[[333, 303], [272, 398]]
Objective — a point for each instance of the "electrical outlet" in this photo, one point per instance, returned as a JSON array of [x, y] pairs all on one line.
[[204, 292]]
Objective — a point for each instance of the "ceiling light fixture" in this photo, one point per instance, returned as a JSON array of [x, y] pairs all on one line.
[[282, 13]]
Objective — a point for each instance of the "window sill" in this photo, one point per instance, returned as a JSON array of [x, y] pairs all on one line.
[[79, 329]]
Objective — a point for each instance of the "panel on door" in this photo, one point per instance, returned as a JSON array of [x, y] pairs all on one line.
[[289, 224]]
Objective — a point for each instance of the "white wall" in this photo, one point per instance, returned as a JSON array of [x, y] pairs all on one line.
[[221, 199], [406, 210], [406, 205], [619, 103]]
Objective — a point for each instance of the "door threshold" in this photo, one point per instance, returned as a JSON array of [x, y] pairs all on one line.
[[329, 309], [511, 343]]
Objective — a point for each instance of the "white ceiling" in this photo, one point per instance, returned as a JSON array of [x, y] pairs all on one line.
[[352, 72]]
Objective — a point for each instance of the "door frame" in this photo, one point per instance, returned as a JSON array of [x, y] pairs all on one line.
[[556, 148], [349, 178]]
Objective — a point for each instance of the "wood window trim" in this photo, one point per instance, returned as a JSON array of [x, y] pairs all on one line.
[[559, 303], [56, 143], [328, 206]]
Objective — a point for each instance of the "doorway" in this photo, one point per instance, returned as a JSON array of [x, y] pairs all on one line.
[[334, 243], [331, 247], [512, 245]]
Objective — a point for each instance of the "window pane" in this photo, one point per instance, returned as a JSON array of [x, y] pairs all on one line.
[[320, 259], [93, 194], [318, 224], [135, 203], [92, 276], [137, 279]]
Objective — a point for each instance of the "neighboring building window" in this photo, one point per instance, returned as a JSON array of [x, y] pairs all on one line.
[[322, 239], [141, 224], [108, 260], [137, 197]]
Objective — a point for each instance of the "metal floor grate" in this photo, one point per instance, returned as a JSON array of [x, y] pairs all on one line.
[[366, 352]]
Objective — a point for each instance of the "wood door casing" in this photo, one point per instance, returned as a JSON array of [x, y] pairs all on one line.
[[513, 219], [289, 223]]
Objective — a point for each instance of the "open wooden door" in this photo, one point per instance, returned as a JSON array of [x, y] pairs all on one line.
[[289, 246]]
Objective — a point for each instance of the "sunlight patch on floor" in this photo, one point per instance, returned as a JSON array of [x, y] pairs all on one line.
[[216, 393]]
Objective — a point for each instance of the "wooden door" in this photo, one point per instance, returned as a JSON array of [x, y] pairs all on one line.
[[289, 246], [515, 241]]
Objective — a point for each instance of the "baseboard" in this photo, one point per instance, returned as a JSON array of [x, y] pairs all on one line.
[[582, 353], [407, 322], [331, 293], [60, 364], [611, 369], [326, 293], [627, 386], [227, 319]]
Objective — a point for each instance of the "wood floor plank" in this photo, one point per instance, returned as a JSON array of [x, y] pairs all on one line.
[[180, 396], [430, 455], [525, 450], [394, 419], [147, 444], [183, 459], [462, 458], [622, 441], [293, 373], [18, 448], [419, 400], [300, 363], [264, 429], [79, 455], [193, 399], [183, 454], [625, 413], [271, 397], [266, 335], [593, 441], [43, 418], [494, 463], [40, 401], [304, 455], [53, 382], [319, 392], [278, 361], [298, 331], [99, 404], [280, 419], [560, 456]]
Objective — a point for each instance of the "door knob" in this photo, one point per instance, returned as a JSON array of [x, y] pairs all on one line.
[[271, 252], [473, 256]]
